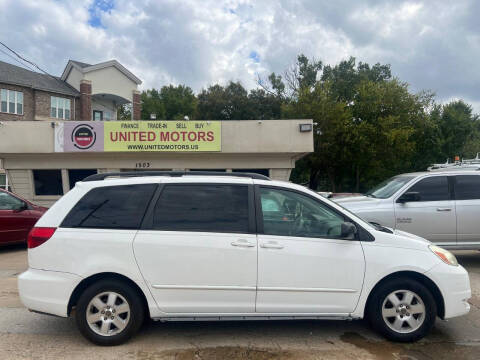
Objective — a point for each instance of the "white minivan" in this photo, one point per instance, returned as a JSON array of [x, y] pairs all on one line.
[[123, 247]]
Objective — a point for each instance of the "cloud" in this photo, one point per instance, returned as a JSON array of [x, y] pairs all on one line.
[[96, 9], [430, 44]]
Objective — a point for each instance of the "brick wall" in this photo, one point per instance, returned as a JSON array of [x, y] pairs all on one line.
[[85, 100], [43, 101], [36, 104], [137, 105], [28, 104]]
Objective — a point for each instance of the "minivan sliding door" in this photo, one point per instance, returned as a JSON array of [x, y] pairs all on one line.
[[197, 249]]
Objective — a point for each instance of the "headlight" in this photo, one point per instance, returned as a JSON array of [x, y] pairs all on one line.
[[446, 256]]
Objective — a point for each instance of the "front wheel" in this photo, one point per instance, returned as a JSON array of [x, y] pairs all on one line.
[[109, 312], [402, 310]]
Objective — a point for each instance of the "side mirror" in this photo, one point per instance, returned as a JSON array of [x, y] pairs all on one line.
[[348, 230], [410, 196]]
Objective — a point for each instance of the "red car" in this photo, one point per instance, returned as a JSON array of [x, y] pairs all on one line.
[[17, 217]]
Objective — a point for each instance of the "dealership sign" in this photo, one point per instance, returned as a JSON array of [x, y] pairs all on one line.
[[131, 136]]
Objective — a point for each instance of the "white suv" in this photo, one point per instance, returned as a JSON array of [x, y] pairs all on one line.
[[239, 246], [441, 206]]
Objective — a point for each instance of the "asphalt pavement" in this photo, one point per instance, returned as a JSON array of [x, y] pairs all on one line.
[[26, 335]]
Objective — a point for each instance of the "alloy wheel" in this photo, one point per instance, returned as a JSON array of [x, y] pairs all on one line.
[[108, 313], [403, 311]]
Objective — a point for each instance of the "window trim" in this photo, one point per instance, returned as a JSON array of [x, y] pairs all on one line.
[[65, 100], [361, 235], [147, 223], [15, 103]]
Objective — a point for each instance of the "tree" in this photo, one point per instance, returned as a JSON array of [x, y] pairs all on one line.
[[224, 103], [178, 102], [152, 104], [124, 112], [457, 125], [366, 124]]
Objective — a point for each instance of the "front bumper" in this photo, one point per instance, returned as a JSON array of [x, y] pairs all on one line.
[[47, 291], [454, 284]]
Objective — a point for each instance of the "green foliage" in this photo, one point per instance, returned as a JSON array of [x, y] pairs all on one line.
[[170, 103], [368, 125], [124, 112], [234, 102]]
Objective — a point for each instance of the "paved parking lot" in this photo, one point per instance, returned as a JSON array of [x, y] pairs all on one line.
[[25, 335]]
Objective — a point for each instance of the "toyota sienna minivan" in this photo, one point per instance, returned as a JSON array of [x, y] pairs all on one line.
[[122, 247]]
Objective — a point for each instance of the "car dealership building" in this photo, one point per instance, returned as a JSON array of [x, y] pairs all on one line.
[[56, 131]]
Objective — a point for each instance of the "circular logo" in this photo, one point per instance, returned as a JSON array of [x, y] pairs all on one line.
[[83, 136]]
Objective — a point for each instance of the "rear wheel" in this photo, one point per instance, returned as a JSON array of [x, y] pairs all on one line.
[[109, 312], [402, 310]]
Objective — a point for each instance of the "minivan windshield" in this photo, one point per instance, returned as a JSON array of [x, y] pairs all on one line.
[[389, 187]]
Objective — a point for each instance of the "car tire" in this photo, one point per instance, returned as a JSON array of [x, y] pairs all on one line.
[[109, 312], [402, 310]]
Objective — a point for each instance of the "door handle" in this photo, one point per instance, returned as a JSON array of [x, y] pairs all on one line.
[[444, 209], [271, 245], [243, 243]]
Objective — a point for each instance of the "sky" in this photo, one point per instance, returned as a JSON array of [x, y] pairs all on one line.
[[432, 45]]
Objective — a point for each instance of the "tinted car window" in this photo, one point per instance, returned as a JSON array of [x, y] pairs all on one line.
[[434, 188], [9, 202], [111, 207], [467, 187], [287, 213], [208, 208]]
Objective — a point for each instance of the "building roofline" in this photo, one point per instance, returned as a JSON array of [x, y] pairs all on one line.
[[100, 66], [42, 88]]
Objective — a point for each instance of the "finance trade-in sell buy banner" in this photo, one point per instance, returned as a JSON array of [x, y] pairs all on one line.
[[131, 136]]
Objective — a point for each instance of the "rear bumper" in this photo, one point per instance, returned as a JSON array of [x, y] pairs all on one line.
[[454, 285], [47, 291]]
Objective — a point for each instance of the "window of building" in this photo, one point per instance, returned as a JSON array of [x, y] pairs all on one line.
[[287, 213], [111, 207], [11, 101], [48, 182], [434, 188], [208, 208], [265, 172], [75, 175], [467, 187], [97, 115], [216, 170], [3, 182], [59, 108]]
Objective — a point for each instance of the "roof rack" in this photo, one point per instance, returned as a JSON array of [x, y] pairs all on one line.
[[464, 164], [127, 174]]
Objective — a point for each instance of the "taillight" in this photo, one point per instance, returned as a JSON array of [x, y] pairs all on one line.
[[38, 235]]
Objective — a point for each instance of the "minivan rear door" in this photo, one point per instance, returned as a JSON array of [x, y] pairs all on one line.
[[197, 248], [467, 202]]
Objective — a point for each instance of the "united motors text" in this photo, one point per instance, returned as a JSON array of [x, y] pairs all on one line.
[[161, 136]]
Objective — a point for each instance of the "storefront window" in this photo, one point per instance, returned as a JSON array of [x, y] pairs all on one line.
[[75, 175], [265, 172], [48, 182]]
